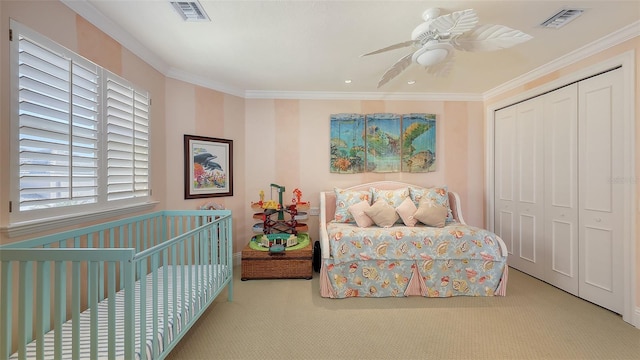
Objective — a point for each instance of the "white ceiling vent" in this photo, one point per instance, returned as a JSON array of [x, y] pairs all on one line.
[[190, 10], [562, 18]]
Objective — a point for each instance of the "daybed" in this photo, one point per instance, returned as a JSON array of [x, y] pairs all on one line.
[[127, 289], [362, 259]]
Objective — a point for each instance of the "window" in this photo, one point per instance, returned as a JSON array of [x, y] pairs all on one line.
[[80, 133]]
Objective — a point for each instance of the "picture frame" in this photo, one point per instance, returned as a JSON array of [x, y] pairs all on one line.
[[208, 167]]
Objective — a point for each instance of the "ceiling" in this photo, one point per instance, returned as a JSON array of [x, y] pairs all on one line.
[[256, 48]]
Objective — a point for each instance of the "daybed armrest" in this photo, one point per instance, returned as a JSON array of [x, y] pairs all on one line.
[[456, 209], [324, 235]]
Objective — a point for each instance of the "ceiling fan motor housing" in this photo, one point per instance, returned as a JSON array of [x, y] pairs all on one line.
[[432, 53]]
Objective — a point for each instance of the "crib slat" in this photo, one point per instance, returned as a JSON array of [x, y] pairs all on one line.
[[25, 306], [93, 305], [143, 309], [228, 244], [129, 311], [101, 269], [165, 298], [121, 243], [154, 299], [111, 336], [41, 306], [174, 279], [59, 315], [75, 309], [5, 309]]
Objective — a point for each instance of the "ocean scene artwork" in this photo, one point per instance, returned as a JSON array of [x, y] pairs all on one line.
[[383, 143], [347, 143], [418, 142]]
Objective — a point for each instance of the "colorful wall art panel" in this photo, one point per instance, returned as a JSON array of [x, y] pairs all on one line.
[[347, 143], [418, 142], [382, 141]]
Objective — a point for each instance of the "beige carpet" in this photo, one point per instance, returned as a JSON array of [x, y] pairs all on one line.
[[287, 319]]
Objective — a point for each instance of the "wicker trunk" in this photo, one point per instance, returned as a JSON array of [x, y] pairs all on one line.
[[293, 264]]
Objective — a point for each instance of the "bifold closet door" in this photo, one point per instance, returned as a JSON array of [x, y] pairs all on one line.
[[561, 188], [519, 184], [601, 195], [505, 206]]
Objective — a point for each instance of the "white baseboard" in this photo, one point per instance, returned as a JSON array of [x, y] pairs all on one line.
[[635, 318]]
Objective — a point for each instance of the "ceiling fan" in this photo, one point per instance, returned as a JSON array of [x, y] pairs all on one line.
[[434, 40]]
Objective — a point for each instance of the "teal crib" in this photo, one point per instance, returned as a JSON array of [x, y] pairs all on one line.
[[126, 289]]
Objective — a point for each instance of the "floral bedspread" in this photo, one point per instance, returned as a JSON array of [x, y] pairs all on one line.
[[434, 262], [455, 241]]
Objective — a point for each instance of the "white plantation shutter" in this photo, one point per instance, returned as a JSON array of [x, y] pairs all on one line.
[[81, 133], [127, 115], [58, 128]]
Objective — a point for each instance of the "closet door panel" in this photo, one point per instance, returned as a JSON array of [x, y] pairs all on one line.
[[598, 252], [504, 229], [563, 259], [530, 176], [505, 177], [561, 188], [601, 198]]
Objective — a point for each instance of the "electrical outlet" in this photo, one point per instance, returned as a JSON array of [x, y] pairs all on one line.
[[314, 211]]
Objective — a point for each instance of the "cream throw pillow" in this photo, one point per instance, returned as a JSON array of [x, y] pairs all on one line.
[[406, 210], [431, 214], [383, 214], [357, 211]]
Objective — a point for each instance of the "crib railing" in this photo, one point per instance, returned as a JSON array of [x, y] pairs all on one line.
[[45, 282]]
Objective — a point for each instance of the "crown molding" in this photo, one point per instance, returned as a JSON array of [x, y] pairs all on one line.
[[615, 38], [201, 81], [327, 95]]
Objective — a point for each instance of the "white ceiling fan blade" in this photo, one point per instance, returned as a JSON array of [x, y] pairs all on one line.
[[455, 23], [396, 69], [489, 38], [393, 47]]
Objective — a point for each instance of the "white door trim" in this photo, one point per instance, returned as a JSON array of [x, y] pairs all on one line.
[[631, 312]]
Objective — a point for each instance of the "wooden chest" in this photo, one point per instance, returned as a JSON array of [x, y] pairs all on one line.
[[293, 264]]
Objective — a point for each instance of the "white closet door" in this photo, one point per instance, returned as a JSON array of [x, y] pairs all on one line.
[[505, 178], [530, 193], [519, 177], [600, 195], [561, 188]]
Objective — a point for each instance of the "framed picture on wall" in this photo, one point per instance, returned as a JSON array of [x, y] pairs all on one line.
[[208, 167]]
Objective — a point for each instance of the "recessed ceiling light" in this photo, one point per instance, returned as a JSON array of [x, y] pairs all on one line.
[[348, 81], [411, 82]]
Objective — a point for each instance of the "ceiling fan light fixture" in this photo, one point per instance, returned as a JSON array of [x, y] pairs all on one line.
[[432, 54]]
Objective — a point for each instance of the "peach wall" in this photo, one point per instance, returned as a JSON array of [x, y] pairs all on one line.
[[288, 144], [194, 110]]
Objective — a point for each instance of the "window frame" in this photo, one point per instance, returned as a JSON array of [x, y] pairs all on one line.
[[29, 221]]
